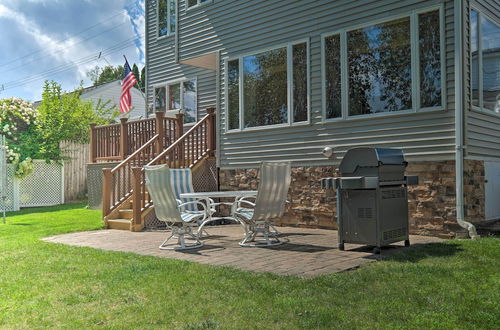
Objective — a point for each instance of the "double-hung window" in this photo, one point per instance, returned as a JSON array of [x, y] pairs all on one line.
[[196, 3], [391, 66], [485, 57], [268, 88], [167, 17], [180, 96]]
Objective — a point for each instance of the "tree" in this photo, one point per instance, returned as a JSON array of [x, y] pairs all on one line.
[[110, 73], [142, 83], [63, 116]]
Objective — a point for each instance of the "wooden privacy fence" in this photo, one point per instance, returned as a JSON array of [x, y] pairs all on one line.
[[118, 141], [75, 169]]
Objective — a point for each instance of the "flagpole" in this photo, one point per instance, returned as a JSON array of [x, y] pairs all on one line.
[[143, 96]]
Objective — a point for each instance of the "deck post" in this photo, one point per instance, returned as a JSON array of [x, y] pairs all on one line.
[[123, 138], [160, 130], [137, 195], [107, 181], [93, 143], [211, 131], [179, 131], [179, 125]]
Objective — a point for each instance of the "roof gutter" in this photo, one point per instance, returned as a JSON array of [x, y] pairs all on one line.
[[459, 121]]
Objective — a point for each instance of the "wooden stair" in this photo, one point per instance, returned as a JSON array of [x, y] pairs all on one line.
[[126, 202], [122, 218]]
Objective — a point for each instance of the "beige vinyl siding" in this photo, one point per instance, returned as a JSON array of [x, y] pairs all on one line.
[[236, 27], [482, 127]]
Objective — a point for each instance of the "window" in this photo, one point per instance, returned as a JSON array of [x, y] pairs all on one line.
[[160, 97], [387, 67], [265, 88], [379, 68], [233, 94], [167, 17], [485, 70], [332, 77], [189, 101], [430, 59], [268, 88], [178, 96], [194, 3]]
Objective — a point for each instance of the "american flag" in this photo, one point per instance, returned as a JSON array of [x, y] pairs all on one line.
[[128, 82]]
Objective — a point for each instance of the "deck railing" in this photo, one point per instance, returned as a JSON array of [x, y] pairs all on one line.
[[118, 141], [127, 178], [186, 152]]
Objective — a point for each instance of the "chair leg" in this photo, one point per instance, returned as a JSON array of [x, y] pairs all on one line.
[[260, 235], [180, 233]]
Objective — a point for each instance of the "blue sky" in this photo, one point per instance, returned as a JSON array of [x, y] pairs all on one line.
[[61, 39]]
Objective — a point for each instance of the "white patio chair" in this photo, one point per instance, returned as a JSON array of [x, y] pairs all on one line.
[[181, 180], [173, 212], [275, 178]]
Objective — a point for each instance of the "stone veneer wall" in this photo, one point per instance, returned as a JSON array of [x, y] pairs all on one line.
[[474, 191], [431, 203]]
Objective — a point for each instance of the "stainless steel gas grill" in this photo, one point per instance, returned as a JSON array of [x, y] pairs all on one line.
[[372, 201]]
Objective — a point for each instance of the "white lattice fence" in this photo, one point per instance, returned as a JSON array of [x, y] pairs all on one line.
[[43, 187]]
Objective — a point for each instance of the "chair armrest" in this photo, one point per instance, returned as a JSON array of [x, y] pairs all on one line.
[[242, 201], [182, 205]]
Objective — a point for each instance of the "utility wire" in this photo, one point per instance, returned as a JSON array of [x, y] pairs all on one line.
[[76, 34], [69, 66], [50, 54]]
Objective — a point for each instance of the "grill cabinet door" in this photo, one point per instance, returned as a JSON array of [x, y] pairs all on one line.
[[360, 216]]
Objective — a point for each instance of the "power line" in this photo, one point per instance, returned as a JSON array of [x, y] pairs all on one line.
[[69, 66], [76, 34], [79, 42]]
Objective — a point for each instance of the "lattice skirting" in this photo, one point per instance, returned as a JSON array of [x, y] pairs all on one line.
[[94, 183]]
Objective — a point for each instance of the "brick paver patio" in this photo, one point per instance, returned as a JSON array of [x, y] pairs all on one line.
[[309, 252]]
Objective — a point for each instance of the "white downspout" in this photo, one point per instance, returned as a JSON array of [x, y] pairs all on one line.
[[459, 112]]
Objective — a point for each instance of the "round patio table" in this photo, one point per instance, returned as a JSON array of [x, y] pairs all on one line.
[[207, 195]]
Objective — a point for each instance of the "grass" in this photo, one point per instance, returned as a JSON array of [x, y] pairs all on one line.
[[446, 285]]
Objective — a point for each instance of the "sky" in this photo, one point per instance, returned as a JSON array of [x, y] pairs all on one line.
[[61, 40]]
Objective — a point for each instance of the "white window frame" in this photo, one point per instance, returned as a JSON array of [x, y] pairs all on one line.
[[198, 4], [167, 95], [415, 66], [169, 33], [480, 14], [289, 123]]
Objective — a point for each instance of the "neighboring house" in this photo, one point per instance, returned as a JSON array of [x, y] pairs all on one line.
[[289, 77], [111, 92]]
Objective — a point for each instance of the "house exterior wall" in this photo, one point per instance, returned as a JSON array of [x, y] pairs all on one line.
[[423, 136], [235, 28], [432, 203], [482, 129], [162, 65], [239, 27]]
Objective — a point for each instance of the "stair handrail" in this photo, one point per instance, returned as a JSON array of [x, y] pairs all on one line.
[[109, 194], [182, 139], [134, 154], [140, 204]]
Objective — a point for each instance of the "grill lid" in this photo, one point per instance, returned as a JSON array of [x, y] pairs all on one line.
[[370, 157]]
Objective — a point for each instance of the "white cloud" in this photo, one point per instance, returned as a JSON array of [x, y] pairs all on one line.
[[29, 30]]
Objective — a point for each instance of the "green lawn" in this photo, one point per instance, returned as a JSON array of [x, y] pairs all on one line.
[[451, 285]]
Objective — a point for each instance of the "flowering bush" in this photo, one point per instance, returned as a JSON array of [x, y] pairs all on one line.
[[37, 134], [18, 124]]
